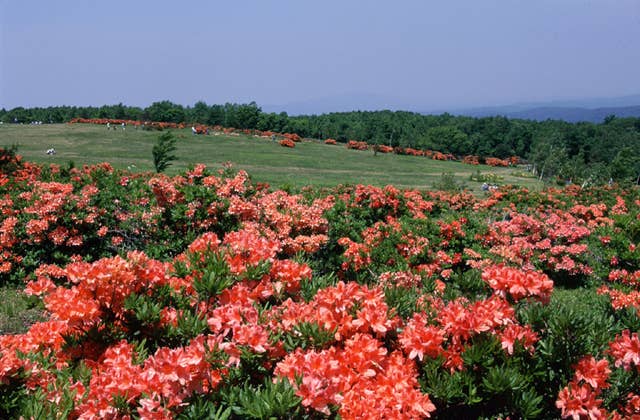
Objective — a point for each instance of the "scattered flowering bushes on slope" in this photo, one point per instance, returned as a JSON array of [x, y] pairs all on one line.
[[204, 293], [151, 124], [289, 139], [98, 212]]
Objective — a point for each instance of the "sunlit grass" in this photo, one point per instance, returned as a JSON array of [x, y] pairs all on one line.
[[309, 163], [18, 311]]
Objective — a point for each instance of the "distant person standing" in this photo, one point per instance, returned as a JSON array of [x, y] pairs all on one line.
[[193, 130], [123, 126], [108, 126]]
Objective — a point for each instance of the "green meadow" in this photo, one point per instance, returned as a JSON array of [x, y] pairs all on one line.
[[311, 162]]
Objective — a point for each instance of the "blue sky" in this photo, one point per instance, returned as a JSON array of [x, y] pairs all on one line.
[[427, 54]]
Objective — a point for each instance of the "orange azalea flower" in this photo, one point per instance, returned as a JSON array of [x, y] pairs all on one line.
[[419, 339], [625, 349], [513, 333], [41, 286], [595, 373], [518, 284], [579, 401]]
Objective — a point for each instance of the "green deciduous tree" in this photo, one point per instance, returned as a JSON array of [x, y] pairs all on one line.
[[248, 115], [626, 165], [199, 113], [165, 111], [548, 157]]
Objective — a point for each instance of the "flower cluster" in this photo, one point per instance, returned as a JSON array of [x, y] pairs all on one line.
[[361, 378], [518, 284], [550, 241], [581, 398]]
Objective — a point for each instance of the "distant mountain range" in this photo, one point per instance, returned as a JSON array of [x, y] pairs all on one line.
[[590, 109], [596, 115]]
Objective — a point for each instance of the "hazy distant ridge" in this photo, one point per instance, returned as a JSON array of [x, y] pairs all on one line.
[[590, 109], [561, 113]]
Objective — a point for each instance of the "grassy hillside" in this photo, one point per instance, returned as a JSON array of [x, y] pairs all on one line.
[[310, 163]]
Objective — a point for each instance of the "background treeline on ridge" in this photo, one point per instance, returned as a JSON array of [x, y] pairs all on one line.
[[584, 151]]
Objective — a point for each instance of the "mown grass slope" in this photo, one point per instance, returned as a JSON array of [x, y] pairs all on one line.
[[309, 163]]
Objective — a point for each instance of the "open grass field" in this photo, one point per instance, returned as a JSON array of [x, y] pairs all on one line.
[[309, 163]]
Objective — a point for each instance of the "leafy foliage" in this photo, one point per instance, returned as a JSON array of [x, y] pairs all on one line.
[[162, 151]]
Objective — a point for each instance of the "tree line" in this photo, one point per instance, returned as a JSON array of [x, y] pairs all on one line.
[[556, 150]]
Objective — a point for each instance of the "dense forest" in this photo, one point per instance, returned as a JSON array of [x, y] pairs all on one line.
[[556, 150]]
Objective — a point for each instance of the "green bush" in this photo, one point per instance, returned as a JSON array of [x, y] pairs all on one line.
[[162, 151]]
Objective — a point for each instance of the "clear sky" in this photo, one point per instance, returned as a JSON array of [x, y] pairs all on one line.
[[431, 54]]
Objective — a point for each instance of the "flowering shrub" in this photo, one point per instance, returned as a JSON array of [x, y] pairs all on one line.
[[471, 160], [491, 161], [357, 145], [385, 149], [439, 156], [287, 143], [592, 378], [518, 284], [204, 295], [292, 136]]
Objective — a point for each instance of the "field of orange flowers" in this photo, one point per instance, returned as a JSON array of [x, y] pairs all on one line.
[[204, 295]]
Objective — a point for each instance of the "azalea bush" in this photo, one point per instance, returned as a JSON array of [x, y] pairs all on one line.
[[204, 295], [287, 143]]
